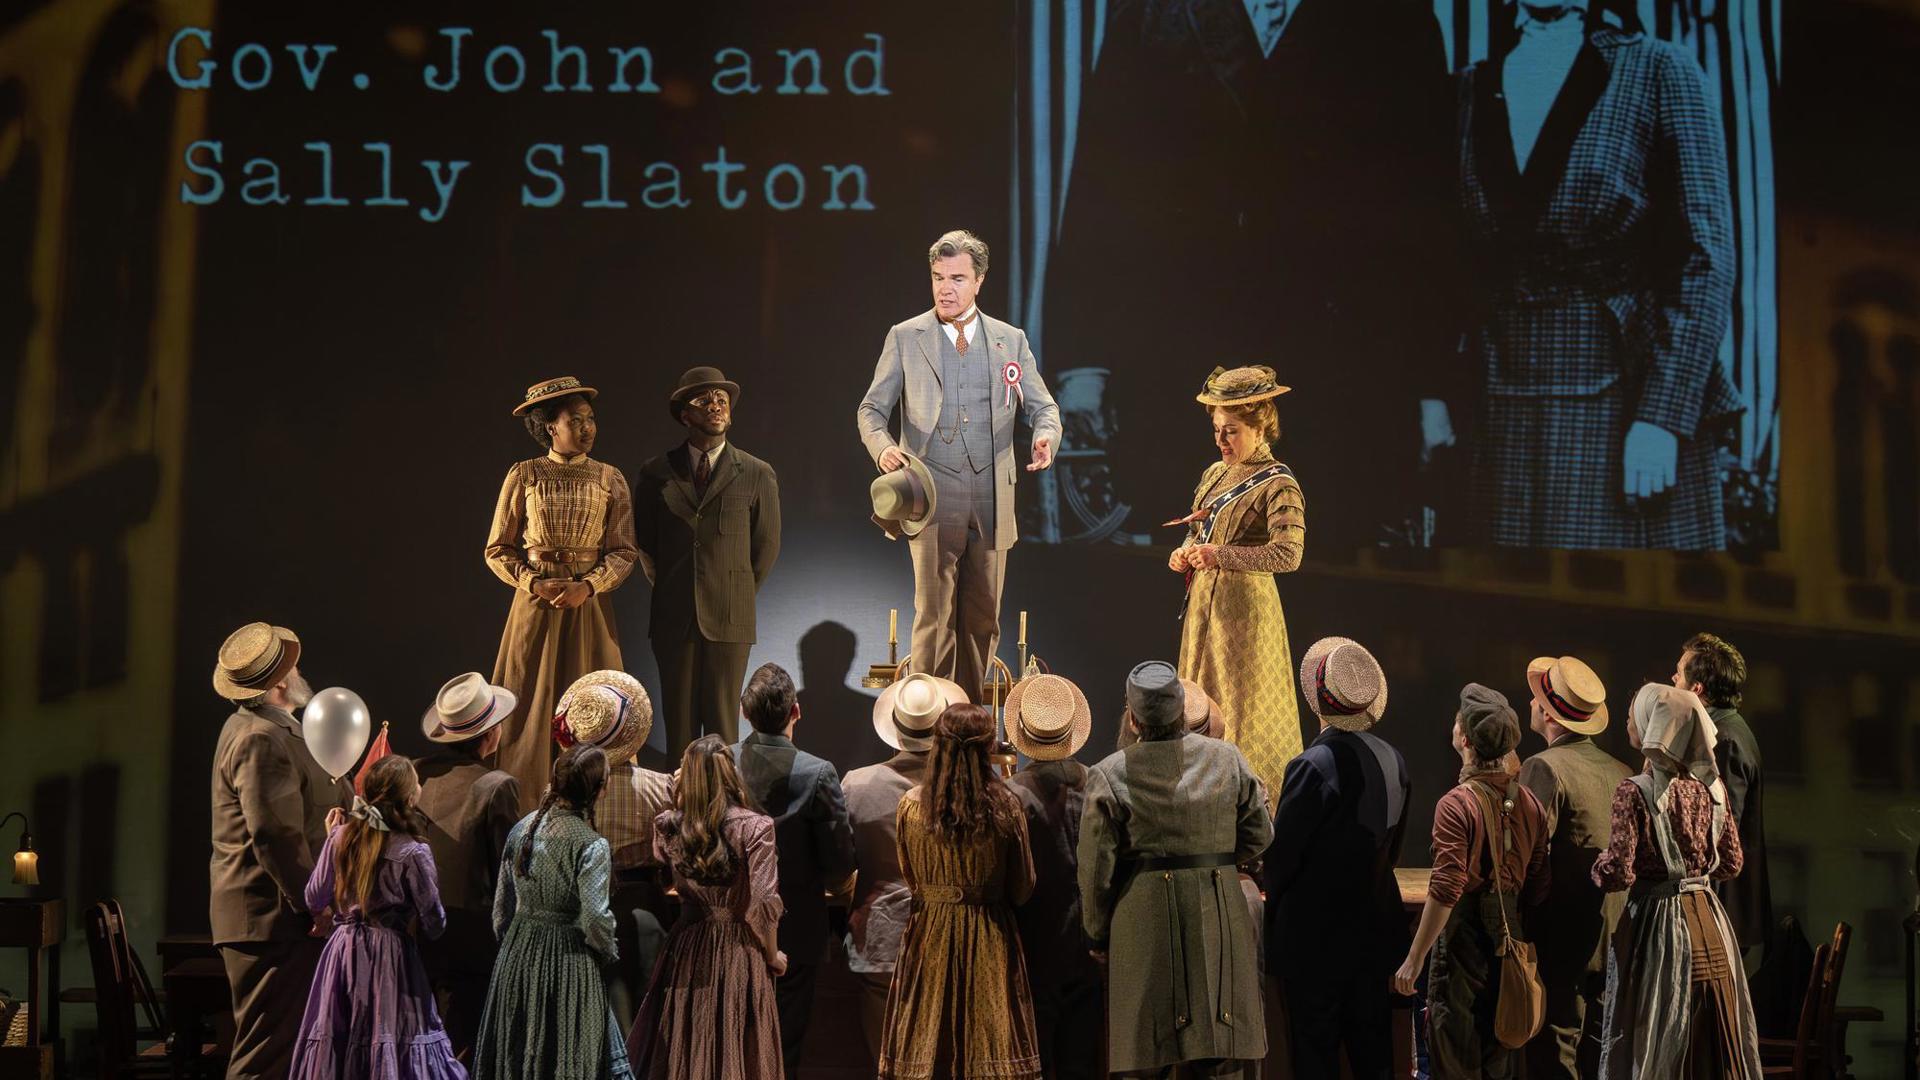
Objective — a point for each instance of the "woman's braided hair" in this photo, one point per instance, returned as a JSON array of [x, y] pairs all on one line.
[[578, 776]]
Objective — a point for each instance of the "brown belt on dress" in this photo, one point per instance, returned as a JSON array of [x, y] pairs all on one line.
[[560, 556], [973, 895]]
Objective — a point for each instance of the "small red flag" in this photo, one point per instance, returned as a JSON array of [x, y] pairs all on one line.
[[378, 750]]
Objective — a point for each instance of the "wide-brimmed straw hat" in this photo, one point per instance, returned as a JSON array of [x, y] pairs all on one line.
[[696, 379], [1048, 717], [253, 660], [1343, 684], [1240, 386], [467, 707], [1572, 695], [608, 709], [904, 713], [1202, 714], [904, 499], [552, 388]]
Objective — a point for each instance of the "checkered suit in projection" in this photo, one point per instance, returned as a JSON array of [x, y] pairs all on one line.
[[1609, 269]]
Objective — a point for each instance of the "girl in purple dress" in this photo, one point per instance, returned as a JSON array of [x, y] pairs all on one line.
[[370, 1014]]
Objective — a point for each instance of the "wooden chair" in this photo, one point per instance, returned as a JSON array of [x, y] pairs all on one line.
[[120, 986], [1818, 1049], [1796, 1057]]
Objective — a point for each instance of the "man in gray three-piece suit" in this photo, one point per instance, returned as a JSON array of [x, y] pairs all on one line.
[[945, 369]]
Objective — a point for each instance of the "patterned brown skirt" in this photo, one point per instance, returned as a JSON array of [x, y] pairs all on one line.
[[710, 1013]]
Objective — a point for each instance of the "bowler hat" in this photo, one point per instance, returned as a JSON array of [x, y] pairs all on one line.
[[696, 379]]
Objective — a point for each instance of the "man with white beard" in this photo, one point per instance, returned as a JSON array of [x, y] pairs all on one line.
[[271, 808]]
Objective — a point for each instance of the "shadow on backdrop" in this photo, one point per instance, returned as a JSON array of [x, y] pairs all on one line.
[[836, 720]]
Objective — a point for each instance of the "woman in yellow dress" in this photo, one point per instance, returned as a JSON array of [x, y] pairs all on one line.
[[1248, 523]]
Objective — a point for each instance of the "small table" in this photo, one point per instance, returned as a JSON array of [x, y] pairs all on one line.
[[38, 926], [198, 998]]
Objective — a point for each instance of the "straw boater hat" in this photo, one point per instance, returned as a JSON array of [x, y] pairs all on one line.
[[607, 709], [1572, 695], [1202, 713], [253, 660], [904, 713], [1343, 684], [467, 707], [694, 380], [1048, 718], [552, 388], [904, 499], [1240, 386]]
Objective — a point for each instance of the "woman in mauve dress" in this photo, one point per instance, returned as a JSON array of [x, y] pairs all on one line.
[[370, 1013], [710, 1013]]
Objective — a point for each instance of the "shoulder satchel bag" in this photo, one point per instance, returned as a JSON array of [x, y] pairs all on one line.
[[1522, 1005]]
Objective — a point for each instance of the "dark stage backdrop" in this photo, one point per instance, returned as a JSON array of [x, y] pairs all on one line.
[[259, 342]]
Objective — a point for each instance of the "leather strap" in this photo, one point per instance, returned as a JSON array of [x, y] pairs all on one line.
[[1157, 863], [971, 895], [561, 556]]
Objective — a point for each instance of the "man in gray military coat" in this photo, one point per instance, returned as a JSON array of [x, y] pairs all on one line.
[[1166, 823], [944, 369]]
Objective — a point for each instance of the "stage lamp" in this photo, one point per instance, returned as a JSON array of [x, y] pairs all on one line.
[[26, 864]]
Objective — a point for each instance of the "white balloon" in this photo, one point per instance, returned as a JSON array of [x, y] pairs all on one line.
[[336, 726]]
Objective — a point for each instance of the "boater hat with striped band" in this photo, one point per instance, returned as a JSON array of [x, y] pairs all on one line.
[[1570, 693], [1343, 684], [467, 707], [1048, 717], [253, 660]]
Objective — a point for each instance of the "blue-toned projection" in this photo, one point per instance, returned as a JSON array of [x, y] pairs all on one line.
[[554, 175], [1516, 261]]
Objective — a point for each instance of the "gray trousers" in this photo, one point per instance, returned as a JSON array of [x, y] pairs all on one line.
[[957, 576]]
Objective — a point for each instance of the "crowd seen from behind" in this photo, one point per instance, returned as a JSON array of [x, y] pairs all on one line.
[[639, 924]]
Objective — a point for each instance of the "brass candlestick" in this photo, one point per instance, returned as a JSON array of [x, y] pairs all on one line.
[[999, 684], [880, 676]]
